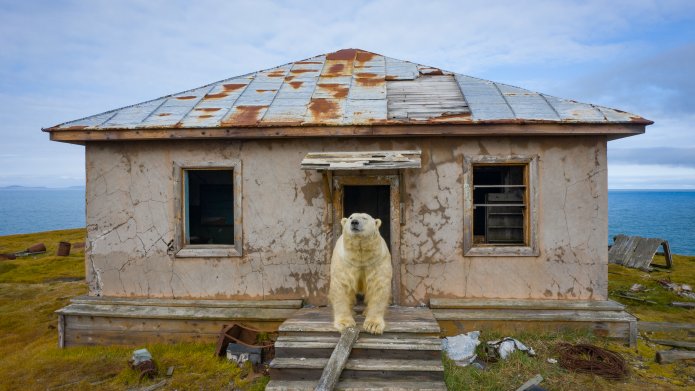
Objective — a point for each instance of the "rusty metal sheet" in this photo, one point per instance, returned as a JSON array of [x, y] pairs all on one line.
[[484, 99], [400, 70], [527, 105], [572, 111], [349, 87]]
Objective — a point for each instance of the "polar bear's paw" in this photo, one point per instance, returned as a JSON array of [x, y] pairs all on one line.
[[374, 325], [343, 323]]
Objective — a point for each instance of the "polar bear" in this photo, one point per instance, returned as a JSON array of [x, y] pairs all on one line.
[[361, 263]]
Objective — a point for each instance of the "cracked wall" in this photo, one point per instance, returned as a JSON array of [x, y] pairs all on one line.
[[132, 221]]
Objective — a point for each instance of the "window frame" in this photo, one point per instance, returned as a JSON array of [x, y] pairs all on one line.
[[184, 250], [530, 247]]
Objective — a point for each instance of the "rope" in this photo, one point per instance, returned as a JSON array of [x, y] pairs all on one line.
[[587, 358]]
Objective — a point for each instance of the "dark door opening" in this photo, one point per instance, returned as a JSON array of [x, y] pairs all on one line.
[[373, 200]]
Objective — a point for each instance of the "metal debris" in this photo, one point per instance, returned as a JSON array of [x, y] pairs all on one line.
[[348, 87], [592, 359], [683, 290], [502, 348], [143, 362]]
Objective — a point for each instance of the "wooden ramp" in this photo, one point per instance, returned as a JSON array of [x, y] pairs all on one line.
[[406, 357]]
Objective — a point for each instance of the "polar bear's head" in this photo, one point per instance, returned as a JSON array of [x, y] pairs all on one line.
[[360, 224]]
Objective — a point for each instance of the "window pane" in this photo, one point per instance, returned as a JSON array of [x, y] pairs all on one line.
[[499, 203], [209, 207]]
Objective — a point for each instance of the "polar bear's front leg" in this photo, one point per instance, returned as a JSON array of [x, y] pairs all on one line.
[[342, 297], [378, 295]]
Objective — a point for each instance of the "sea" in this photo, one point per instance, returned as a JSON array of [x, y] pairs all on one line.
[[666, 214]]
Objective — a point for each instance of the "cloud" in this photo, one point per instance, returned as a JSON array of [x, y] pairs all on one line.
[[650, 176], [666, 156], [62, 60]]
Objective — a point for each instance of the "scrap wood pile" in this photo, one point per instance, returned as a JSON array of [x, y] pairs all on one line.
[[40, 248]]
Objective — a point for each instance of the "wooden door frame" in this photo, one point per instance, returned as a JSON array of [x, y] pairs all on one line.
[[393, 181]]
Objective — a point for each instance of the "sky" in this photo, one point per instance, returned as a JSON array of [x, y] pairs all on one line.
[[64, 60]]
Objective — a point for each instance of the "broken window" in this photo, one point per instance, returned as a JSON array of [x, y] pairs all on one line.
[[499, 204], [209, 206]]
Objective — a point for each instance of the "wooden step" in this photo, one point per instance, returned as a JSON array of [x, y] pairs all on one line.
[[407, 320], [358, 385], [384, 347], [311, 369], [527, 304]]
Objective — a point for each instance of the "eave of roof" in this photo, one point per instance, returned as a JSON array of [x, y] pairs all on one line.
[[349, 89]]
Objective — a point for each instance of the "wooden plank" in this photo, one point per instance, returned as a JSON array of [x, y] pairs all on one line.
[[109, 337], [669, 356], [84, 322], [338, 360], [618, 252], [675, 344], [354, 385], [591, 305], [533, 315], [644, 252], [664, 326], [616, 330], [157, 312], [315, 373], [362, 364], [683, 304], [133, 301], [398, 319]]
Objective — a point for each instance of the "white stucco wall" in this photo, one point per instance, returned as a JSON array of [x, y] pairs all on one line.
[[133, 218]]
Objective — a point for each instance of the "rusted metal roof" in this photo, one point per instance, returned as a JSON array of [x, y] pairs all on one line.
[[349, 87], [377, 160]]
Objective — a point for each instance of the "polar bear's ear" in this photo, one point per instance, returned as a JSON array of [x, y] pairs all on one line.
[[343, 221], [378, 223]]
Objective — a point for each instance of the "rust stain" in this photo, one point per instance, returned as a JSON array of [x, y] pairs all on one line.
[[369, 82], [233, 86], [205, 116], [185, 97], [365, 74], [266, 90], [463, 117], [218, 95], [245, 115], [336, 68], [296, 84], [431, 72], [363, 56], [338, 91], [278, 73], [289, 77], [163, 114], [208, 109], [302, 70], [344, 54], [322, 108]]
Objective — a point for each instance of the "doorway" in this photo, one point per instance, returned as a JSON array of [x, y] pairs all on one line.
[[375, 201], [379, 196]]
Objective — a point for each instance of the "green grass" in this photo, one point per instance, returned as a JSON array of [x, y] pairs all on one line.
[[32, 288]]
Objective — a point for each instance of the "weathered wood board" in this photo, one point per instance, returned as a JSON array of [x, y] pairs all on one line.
[[338, 360], [637, 252]]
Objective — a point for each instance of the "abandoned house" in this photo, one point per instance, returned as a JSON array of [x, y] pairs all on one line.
[[222, 203]]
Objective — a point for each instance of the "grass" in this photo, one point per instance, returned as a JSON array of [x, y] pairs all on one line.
[[32, 288]]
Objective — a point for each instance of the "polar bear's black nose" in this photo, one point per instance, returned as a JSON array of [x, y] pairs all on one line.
[[354, 223]]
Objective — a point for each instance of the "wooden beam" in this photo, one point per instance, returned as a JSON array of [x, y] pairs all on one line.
[[675, 344], [664, 326], [529, 129], [336, 363], [669, 356]]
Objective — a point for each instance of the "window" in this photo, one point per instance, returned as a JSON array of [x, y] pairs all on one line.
[[209, 206], [499, 217], [210, 209]]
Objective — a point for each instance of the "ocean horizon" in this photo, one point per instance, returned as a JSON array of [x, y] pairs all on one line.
[[666, 214]]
